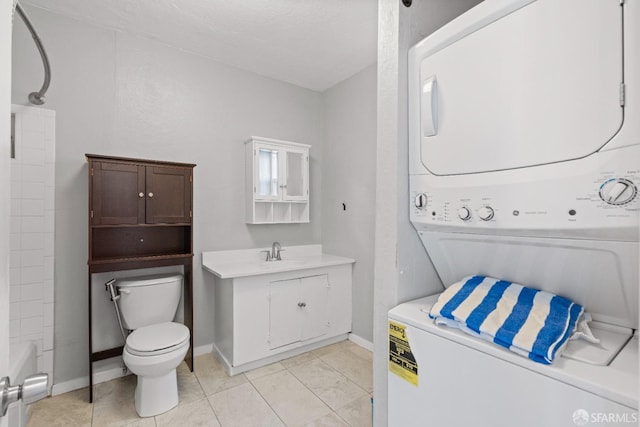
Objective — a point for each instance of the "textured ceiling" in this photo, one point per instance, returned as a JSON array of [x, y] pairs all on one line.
[[309, 43]]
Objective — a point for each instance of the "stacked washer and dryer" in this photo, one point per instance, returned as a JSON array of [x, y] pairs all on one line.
[[524, 123]]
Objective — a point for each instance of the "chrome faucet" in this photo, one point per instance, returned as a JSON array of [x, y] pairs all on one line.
[[275, 252]]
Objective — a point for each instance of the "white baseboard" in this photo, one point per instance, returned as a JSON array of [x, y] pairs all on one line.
[[67, 386], [233, 370], [108, 373], [361, 342]]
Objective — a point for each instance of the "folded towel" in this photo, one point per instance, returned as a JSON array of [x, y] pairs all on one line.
[[530, 322]]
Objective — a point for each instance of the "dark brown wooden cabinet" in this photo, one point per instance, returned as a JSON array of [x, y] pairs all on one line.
[[140, 216], [136, 194]]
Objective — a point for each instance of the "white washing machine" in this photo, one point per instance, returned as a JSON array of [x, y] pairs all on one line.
[[524, 123]]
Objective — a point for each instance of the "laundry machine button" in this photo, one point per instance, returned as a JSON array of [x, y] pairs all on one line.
[[485, 213], [464, 213], [618, 191], [421, 201]]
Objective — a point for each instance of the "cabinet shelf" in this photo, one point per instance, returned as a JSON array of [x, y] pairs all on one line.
[[117, 264], [176, 224], [140, 259]]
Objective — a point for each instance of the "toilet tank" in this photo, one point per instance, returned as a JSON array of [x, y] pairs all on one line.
[[147, 300]]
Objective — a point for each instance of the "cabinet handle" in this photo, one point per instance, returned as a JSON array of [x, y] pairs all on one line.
[[141, 194], [302, 304], [150, 194]]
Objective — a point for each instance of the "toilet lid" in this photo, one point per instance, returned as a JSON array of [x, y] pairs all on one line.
[[157, 337]]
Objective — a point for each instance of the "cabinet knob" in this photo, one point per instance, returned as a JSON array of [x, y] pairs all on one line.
[[141, 194], [302, 304], [150, 194]]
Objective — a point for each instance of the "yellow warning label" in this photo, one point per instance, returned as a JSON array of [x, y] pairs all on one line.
[[402, 362]]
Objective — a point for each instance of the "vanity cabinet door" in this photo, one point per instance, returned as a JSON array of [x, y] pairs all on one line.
[[284, 324], [314, 295], [298, 310]]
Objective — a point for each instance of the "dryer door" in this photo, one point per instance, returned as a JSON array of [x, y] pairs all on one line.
[[539, 85]]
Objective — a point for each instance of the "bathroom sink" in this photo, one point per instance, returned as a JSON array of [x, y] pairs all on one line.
[[251, 262]]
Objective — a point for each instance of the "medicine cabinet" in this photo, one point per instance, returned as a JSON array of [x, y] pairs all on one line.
[[277, 181]]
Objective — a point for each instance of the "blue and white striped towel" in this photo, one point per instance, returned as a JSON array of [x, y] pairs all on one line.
[[532, 323]]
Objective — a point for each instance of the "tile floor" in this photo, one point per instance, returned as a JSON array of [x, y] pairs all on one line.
[[330, 386]]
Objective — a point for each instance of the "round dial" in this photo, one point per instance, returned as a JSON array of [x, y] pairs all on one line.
[[421, 201], [464, 213], [618, 191], [485, 213]]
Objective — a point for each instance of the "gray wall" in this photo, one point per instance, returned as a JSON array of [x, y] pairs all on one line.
[[403, 270], [115, 94], [349, 177]]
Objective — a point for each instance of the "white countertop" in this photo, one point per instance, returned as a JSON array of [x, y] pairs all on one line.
[[251, 262]]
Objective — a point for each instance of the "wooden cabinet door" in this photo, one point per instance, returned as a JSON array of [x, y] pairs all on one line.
[[168, 195], [117, 193]]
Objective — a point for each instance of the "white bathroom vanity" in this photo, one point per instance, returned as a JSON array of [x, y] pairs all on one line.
[[266, 311]]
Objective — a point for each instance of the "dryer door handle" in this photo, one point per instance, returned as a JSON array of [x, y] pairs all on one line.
[[429, 107]]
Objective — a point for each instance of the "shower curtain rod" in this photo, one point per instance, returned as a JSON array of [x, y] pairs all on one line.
[[37, 98]]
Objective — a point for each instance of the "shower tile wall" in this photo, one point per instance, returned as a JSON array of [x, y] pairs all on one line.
[[32, 232]]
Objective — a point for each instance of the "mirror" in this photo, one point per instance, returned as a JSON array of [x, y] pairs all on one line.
[[267, 172]]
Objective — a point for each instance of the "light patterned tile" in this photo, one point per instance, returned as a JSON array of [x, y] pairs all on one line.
[[339, 346], [193, 414], [290, 399], [114, 402], [189, 388], [243, 406], [69, 409], [328, 384], [357, 413], [354, 364], [212, 376], [140, 422], [361, 352], [331, 420], [265, 370], [296, 360]]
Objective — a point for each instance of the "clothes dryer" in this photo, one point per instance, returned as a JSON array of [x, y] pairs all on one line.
[[524, 166]]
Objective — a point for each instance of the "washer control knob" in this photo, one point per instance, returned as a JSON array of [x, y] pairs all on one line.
[[464, 213], [618, 191], [421, 201], [485, 213]]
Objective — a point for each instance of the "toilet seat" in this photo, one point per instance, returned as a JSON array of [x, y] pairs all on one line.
[[157, 339]]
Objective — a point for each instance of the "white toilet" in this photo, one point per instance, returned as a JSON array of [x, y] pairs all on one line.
[[157, 345]]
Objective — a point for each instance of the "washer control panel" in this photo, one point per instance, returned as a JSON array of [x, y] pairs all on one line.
[[602, 204]]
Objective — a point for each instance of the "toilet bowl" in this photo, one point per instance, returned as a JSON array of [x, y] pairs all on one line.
[[153, 353], [156, 345]]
